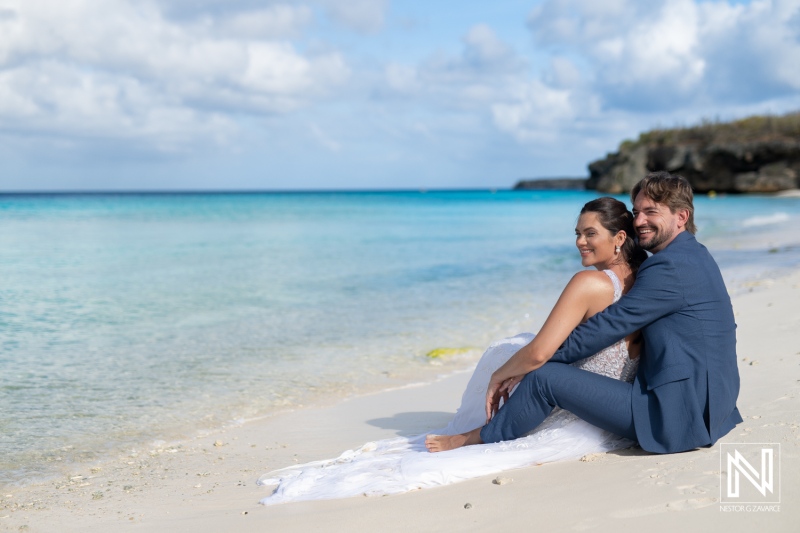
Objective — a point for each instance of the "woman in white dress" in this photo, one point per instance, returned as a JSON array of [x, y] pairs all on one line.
[[604, 237]]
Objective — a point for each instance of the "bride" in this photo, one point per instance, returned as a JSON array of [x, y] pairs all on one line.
[[604, 237]]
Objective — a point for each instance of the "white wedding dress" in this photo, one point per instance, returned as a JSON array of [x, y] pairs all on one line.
[[403, 464]]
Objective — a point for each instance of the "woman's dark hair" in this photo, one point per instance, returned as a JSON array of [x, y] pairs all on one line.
[[615, 217]]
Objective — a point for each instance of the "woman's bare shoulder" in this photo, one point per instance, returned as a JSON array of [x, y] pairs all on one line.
[[592, 282]]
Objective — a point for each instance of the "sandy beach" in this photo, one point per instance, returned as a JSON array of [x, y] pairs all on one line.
[[209, 484]]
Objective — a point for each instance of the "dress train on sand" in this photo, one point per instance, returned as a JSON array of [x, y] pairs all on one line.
[[401, 464]]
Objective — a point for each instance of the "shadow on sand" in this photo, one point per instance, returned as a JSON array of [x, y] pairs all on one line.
[[407, 424]]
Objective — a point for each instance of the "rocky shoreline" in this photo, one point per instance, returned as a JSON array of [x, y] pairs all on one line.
[[759, 154], [551, 184]]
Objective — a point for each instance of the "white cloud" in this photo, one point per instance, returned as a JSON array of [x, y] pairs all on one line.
[[361, 16], [581, 21], [485, 50], [753, 50], [119, 68], [401, 78], [365, 16], [485, 66], [562, 73], [534, 113], [619, 66], [55, 100], [490, 80], [673, 54], [274, 22], [636, 51]]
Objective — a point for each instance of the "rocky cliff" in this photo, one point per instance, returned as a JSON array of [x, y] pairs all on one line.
[[756, 154], [549, 184]]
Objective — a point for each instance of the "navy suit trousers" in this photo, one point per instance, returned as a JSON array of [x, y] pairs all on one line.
[[602, 401]]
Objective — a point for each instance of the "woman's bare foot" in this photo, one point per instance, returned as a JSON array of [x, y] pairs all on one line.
[[441, 443]]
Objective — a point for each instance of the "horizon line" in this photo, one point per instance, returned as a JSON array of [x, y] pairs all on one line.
[[99, 192]]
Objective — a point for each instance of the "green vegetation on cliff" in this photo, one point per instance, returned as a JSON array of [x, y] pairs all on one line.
[[747, 130]]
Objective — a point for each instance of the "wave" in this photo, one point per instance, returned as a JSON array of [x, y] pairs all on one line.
[[767, 220]]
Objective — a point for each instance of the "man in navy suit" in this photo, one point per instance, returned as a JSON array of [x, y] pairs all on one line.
[[684, 394]]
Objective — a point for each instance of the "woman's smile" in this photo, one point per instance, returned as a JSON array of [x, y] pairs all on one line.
[[594, 242]]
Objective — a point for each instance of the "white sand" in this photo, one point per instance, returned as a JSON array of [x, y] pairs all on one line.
[[208, 485]]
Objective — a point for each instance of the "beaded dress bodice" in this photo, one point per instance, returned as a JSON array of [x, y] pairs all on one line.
[[613, 361]]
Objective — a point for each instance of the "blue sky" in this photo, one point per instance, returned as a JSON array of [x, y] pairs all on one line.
[[368, 94]]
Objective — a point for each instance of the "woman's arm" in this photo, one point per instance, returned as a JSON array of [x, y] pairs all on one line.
[[587, 293], [658, 292]]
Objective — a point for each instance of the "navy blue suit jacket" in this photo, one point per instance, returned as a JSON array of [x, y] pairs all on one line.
[[684, 394]]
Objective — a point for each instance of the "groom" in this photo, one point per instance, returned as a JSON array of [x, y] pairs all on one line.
[[684, 394]]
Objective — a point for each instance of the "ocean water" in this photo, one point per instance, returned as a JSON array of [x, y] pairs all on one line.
[[137, 317]]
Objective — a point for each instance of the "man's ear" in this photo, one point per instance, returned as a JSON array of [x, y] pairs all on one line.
[[683, 217]]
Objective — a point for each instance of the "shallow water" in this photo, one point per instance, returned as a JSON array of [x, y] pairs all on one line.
[[125, 318]]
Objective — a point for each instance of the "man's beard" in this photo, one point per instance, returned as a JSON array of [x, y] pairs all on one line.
[[658, 238]]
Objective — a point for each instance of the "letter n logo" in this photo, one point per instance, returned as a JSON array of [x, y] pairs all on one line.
[[762, 481], [750, 469]]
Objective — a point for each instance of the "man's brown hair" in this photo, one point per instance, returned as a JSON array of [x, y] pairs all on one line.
[[669, 189]]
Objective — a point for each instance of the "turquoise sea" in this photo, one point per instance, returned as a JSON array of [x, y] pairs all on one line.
[[130, 318]]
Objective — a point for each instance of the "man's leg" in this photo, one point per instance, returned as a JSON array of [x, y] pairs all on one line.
[[600, 400]]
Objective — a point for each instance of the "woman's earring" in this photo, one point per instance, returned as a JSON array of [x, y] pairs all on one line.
[[616, 250]]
